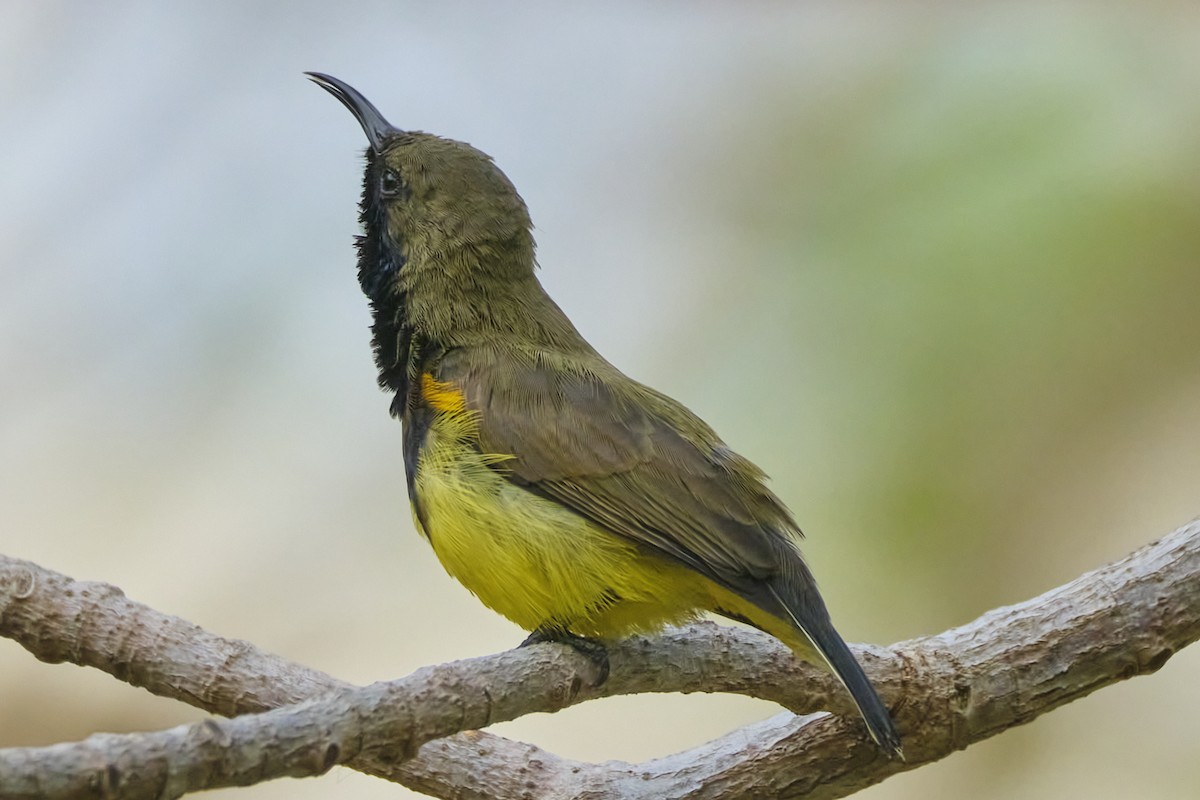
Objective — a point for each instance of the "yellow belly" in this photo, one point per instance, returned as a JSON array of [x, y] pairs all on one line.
[[536, 562], [541, 564]]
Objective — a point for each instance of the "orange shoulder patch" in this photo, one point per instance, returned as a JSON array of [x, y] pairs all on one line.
[[445, 397]]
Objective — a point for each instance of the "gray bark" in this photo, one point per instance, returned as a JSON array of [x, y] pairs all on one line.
[[946, 692]]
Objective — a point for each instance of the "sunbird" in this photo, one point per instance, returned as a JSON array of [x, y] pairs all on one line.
[[575, 501]]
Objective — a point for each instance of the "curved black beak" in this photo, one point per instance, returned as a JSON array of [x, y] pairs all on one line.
[[377, 128]]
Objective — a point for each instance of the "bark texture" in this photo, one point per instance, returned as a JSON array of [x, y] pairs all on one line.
[[946, 692]]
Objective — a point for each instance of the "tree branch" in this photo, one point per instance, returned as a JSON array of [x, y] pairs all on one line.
[[947, 691]]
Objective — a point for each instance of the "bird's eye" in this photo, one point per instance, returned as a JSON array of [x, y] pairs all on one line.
[[390, 184]]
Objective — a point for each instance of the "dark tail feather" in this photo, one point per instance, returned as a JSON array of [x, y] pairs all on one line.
[[807, 612]]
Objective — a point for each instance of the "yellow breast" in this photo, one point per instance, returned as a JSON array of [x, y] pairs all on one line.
[[528, 557]]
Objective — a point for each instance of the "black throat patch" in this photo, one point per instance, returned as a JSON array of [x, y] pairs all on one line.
[[380, 259]]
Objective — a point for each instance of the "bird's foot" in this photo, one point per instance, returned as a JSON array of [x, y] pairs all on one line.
[[593, 649]]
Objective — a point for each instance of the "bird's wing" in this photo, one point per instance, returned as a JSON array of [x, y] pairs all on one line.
[[641, 465], [632, 460]]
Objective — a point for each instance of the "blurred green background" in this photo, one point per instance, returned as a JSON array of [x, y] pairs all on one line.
[[934, 268]]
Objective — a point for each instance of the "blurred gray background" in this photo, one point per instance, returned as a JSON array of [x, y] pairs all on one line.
[[935, 269]]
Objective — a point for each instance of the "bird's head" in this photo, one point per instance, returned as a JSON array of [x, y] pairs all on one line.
[[437, 202]]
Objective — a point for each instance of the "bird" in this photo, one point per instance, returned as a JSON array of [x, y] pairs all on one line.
[[582, 505]]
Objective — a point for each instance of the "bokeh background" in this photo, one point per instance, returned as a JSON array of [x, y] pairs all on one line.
[[935, 268]]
